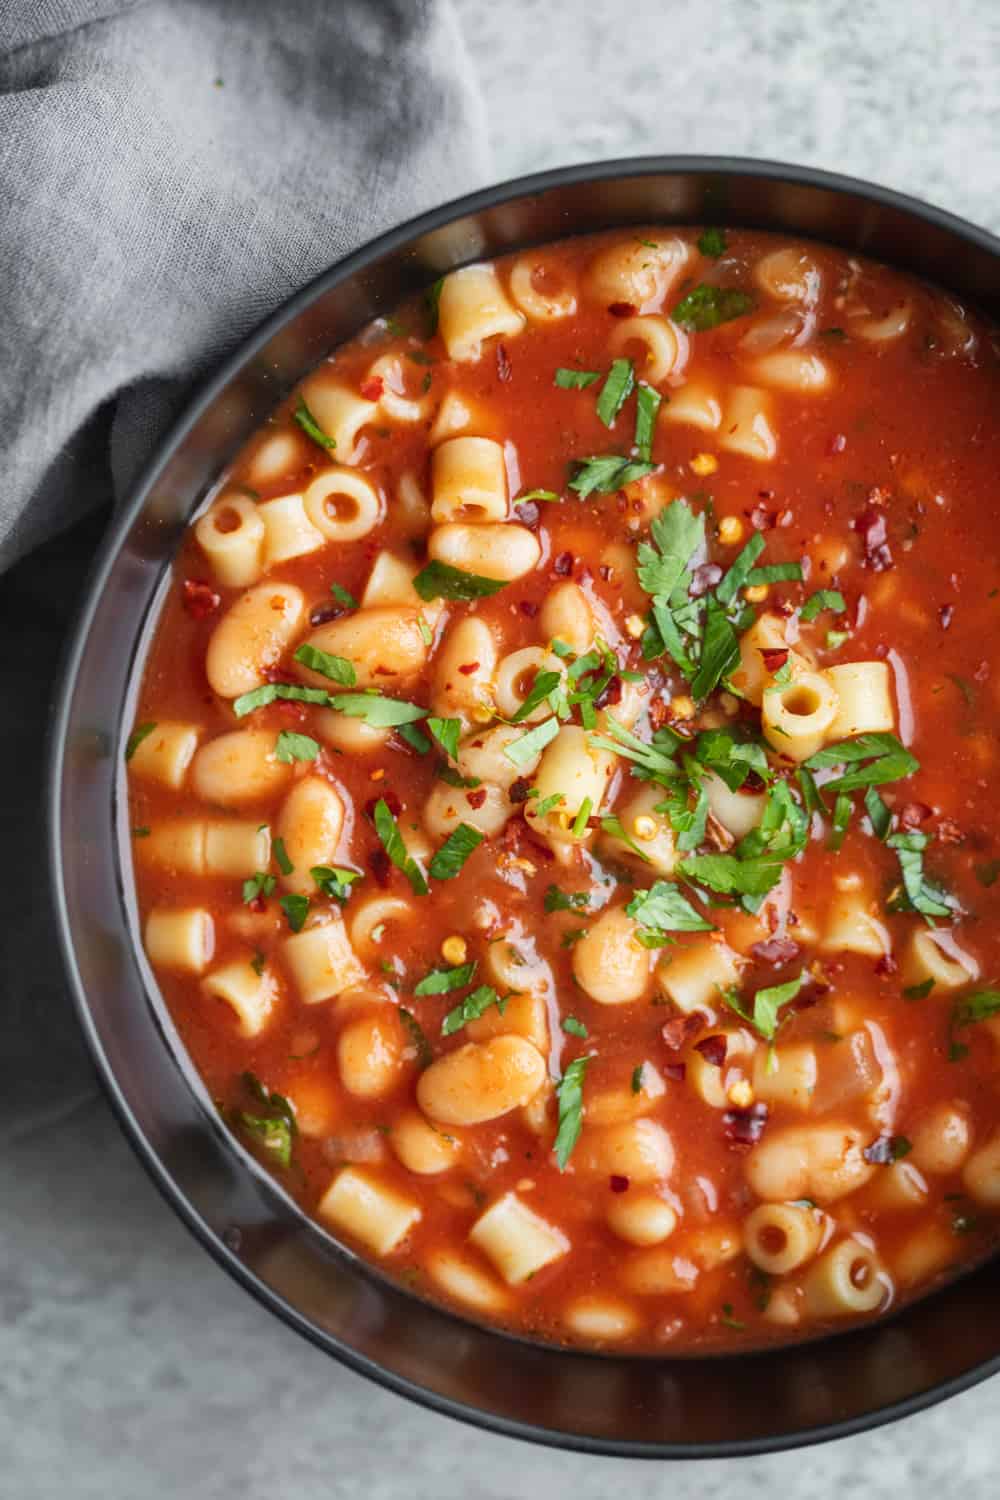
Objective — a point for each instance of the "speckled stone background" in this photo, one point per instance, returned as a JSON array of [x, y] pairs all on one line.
[[129, 1365]]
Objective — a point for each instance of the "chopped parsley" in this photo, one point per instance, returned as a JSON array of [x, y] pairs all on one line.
[[822, 599], [918, 893], [521, 751], [261, 884], [337, 668], [311, 427], [647, 406], [557, 900], [449, 859], [417, 1036], [887, 759], [712, 243], [276, 1130], [575, 1027], [135, 739], [442, 981], [343, 596], [707, 306], [374, 709], [575, 380], [471, 1008], [606, 474], [569, 1093], [290, 747], [615, 391], [334, 881], [438, 580], [281, 855], [447, 732], [767, 1004], [296, 909], [392, 842], [664, 908]]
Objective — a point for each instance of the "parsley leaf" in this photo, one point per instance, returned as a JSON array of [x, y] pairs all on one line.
[[449, 859], [980, 1006], [290, 747], [543, 495], [719, 654], [920, 895], [392, 842], [471, 1008], [892, 762], [521, 751], [311, 427], [343, 596], [413, 1026], [260, 884], [664, 908], [296, 909], [712, 242], [379, 712], [575, 380], [557, 900], [707, 306], [447, 733], [281, 855], [789, 572], [575, 1027], [766, 1005], [438, 580], [432, 300], [878, 814], [615, 391], [729, 875], [337, 668], [654, 763], [647, 406], [822, 599], [544, 687], [569, 1092], [334, 881], [678, 534], [441, 981], [135, 739], [739, 570], [270, 692], [607, 473]]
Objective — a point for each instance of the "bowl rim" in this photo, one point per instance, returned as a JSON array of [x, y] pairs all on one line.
[[205, 393]]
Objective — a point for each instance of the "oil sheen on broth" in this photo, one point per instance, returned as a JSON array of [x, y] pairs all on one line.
[[561, 791]]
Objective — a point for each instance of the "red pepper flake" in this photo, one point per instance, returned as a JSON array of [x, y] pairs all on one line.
[[372, 388], [704, 578], [777, 951], [881, 1152], [774, 658], [713, 1049], [527, 607], [200, 599], [836, 444], [945, 615], [622, 309], [503, 363], [948, 832], [468, 667], [388, 796], [476, 798], [675, 1032], [258, 904], [617, 1183], [610, 694], [380, 866], [291, 712], [744, 1127], [519, 790], [886, 965], [562, 565], [528, 514], [324, 613], [870, 524], [912, 814], [762, 519], [675, 1071]]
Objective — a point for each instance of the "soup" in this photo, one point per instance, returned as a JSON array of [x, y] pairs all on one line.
[[560, 792]]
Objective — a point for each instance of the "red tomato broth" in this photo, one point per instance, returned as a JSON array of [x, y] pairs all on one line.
[[908, 420]]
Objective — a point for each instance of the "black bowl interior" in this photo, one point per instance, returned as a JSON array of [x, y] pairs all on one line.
[[667, 1407]]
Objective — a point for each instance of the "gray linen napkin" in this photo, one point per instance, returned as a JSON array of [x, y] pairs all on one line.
[[169, 173]]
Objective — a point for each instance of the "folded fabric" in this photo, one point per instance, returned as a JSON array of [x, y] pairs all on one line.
[[169, 173]]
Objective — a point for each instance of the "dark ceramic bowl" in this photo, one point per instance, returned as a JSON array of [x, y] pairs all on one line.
[[630, 1406]]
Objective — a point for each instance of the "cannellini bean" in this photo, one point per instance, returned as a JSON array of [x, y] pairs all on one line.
[[385, 646], [640, 1150], [310, 822], [609, 963], [501, 550], [481, 1081], [252, 636], [370, 1055], [821, 1162], [238, 767]]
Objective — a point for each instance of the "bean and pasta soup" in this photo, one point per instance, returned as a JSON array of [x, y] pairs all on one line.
[[562, 791]]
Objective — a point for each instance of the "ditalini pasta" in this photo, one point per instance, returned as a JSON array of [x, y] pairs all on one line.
[[560, 791]]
